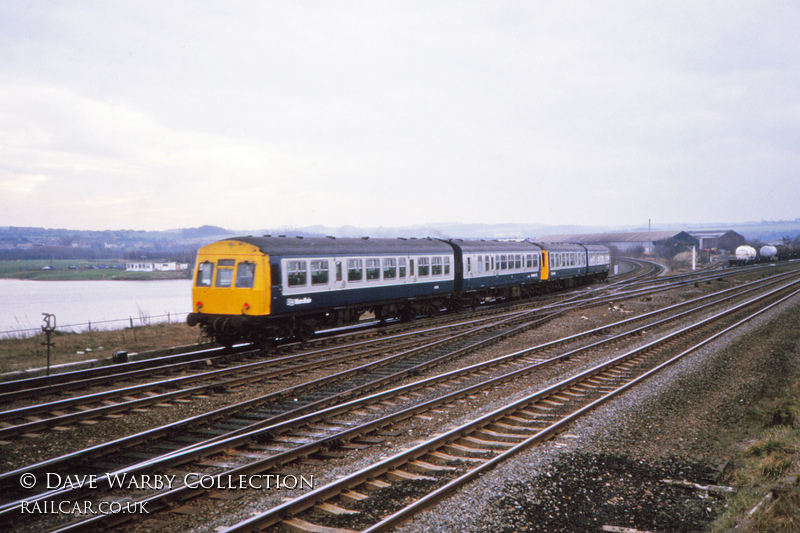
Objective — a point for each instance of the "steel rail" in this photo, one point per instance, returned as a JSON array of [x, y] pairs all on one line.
[[757, 285], [210, 387], [306, 501], [305, 450], [115, 408], [292, 391]]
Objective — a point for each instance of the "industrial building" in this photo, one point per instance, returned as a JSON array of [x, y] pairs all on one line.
[[648, 240]]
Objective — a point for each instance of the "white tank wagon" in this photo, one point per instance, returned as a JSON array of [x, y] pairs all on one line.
[[744, 255], [768, 253]]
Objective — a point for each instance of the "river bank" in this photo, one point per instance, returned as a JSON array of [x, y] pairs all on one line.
[[80, 270]]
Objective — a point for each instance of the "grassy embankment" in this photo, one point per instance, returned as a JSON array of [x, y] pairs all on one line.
[[772, 455], [78, 269], [29, 352], [769, 456]]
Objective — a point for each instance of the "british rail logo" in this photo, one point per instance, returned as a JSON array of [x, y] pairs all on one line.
[[297, 301]]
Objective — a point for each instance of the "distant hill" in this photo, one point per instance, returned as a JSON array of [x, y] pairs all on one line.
[[182, 244], [204, 231]]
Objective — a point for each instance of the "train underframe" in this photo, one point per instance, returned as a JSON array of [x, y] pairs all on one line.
[[265, 331]]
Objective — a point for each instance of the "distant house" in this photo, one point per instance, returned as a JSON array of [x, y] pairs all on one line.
[[155, 267]]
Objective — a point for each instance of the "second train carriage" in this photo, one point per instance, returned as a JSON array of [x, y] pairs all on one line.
[[264, 288], [496, 269], [598, 261]]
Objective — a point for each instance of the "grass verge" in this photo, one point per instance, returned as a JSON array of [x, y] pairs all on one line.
[[767, 464], [29, 352]]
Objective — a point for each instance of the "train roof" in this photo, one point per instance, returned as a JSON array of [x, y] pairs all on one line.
[[562, 247], [317, 246], [474, 246], [596, 247]]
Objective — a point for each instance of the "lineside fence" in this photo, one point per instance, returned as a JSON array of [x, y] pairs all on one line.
[[99, 325]]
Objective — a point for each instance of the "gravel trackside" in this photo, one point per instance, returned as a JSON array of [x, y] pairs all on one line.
[[607, 469]]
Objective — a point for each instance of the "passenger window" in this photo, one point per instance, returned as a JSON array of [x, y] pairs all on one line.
[[424, 264], [205, 273], [503, 262], [436, 266], [355, 269], [402, 266], [245, 275], [225, 275], [446, 266], [297, 273], [373, 269], [338, 271], [389, 268], [517, 261], [319, 272], [487, 263]]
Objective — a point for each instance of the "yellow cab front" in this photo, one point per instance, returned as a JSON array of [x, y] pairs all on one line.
[[231, 278]]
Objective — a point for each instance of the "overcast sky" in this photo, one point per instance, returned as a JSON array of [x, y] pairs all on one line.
[[266, 114]]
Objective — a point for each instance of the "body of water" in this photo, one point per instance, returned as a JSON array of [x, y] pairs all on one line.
[[104, 304]]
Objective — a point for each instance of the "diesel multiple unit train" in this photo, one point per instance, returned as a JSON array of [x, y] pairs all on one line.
[[264, 288]]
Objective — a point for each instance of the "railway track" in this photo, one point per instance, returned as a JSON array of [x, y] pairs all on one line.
[[26, 419], [439, 466], [411, 359], [50, 414], [325, 443], [180, 358]]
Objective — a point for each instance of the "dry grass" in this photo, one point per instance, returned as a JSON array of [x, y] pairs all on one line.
[[30, 352], [772, 456]]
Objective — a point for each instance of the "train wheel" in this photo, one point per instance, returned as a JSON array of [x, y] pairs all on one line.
[[305, 332]]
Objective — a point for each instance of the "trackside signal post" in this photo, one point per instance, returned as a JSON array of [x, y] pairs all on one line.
[[48, 328]]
